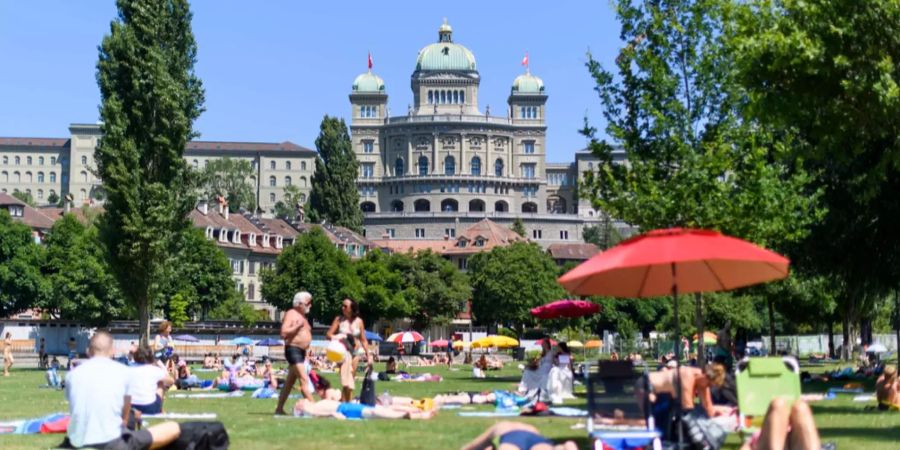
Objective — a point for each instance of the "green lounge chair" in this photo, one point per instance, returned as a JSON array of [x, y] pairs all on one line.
[[760, 380]]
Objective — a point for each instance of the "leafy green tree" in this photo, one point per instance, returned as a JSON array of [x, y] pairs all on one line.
[[199, 273], [82, 285], [53, 199], [433, 287], [315, 265], [24, 196], [695, 159], [334, 195], [383, 284], [234, 307], [22, 285], [603, 235], [230, 179], [150, 99], [508, 281], [293, 198], [827, 71], [518, 226]]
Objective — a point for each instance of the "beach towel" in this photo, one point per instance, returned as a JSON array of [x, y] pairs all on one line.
[[208, 395], [31, 426], [264, 392], [488, 413]]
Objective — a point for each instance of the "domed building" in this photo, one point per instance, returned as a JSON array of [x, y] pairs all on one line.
[[447, 163]]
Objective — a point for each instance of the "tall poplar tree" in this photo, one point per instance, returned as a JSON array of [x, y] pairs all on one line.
[[334, 195], [150, 99]]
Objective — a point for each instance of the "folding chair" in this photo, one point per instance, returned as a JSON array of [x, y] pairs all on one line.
[[761, 380], [611, 393]]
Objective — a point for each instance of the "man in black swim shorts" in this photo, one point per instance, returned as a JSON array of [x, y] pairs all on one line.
[[294, 355], [297, 334]]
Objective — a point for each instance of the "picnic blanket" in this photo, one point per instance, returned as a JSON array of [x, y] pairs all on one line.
[[52, 423], [208, 395], [171, 415], [421, 378]]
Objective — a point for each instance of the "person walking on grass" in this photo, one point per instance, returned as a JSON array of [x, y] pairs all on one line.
[[297, 334], [7, 354], [350, 331]]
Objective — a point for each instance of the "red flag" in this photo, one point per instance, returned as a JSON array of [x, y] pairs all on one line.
[[370, 61], [525, 60]]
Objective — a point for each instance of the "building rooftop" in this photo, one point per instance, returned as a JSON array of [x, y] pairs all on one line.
[[575, 251], [30, 216]]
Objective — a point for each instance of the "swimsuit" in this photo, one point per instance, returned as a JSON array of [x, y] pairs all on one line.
[[294, 354], [521, 439], [353, 410]]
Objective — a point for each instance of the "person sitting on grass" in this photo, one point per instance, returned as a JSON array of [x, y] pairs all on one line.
[[148, 382], [339, 410], [186, 379], [479, 367], [887, 389], [515, 436], [99, 404], [208, 361], [787, 427], [391, 366]]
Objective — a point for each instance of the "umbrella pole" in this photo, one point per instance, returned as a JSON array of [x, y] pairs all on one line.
[[677, 378]]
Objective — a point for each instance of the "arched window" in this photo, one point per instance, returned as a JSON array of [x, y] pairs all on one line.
[[303, 182], [398, 167], [40, 194], [28, 177], [430, 97], [302, 198], [84, 176], [501, 206], [397, 206], [367, 207], [498, 167], [529, 207], [422, 205], [423, 165], [4, 176], [455, 97], [52, 193], [6, 160], [82, 194], [17, 177], [272, 181], [462, 96], [28, 160], [287, 181], [443, 97], [476, 205], [449, 205], [41, 160], [251, 291], [449, 165], [196, 164], [272, 197], [302, 165], [476, 165], [84, 160], [53, 177], [272, 165], [18, 160], [40, 177]]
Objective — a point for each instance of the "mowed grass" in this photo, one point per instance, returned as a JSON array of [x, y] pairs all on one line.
[[251, 425]]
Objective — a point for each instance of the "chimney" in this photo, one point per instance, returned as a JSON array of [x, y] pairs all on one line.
[[203, 207], [225, 211]]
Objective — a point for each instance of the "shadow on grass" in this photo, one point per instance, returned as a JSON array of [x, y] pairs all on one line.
[[891, 434], [845, 410], [510, 379]]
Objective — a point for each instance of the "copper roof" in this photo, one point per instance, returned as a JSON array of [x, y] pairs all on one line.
[[579, 251]]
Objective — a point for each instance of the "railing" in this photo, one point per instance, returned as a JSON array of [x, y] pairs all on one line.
[[432, 177], [477, 215], [466, 118]]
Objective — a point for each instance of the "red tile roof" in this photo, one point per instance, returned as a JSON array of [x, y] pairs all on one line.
[[34, 142], [30, 216], [246, 146], [577, 252], [490, 232], [414, 245]]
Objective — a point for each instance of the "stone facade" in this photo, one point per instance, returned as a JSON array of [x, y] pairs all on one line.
[[61, 166]]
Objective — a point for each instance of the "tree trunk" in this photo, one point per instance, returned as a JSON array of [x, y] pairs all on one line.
[[771, 303], [144, 321], [698, 318], [846, 346], [897, 320], [831, 338]]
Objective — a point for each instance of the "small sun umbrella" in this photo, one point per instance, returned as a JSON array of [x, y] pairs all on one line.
[[565, 309], [541, 341], [593, 343], [708, 338], [243, 340], [439, 343], [185, 338], [877, 348], [460, 344], [270, 342], [495, 341], [373, 336], [575, 344], [404, 337]]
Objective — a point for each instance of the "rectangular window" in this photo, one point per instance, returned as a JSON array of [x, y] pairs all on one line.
[[368, 170], [251, 267], [529, 147], [420, 233], [537, 234], [450, 232], [390, 232], [236, 266], [528, 170], [563, 234], [463, 264], [368, 146]]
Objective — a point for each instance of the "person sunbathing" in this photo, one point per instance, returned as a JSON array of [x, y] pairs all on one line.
[[494, 363], [786, 427], [695, 383], [515, 436], [887, 389], [324, 390], [339, 410]]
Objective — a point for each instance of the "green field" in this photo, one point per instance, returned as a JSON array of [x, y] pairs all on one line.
[[251, 425]]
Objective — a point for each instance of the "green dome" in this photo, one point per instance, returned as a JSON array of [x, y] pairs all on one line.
[[527, 84], [445, 56], [368, 82]]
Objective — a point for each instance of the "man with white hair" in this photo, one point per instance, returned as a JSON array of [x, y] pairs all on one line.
[[297, 334], [99, 404]]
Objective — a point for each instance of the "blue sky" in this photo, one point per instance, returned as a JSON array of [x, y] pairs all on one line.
[[272, 69]]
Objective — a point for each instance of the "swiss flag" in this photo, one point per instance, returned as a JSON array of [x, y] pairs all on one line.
[[525, 60], [370, 60]]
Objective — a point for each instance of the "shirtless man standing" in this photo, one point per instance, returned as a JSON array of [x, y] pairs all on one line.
[[297, 334]]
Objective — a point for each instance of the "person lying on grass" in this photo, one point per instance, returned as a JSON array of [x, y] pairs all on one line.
[[787, 427], [515, 436], [339, 410]]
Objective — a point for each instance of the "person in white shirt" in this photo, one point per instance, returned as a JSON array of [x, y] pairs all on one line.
[[99, 404], [148, 382]]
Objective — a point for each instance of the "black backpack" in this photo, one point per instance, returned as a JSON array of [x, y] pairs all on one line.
[[367, 395], [201, 436]]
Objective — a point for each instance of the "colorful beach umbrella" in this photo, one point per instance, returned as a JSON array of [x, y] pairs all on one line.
[[243, 340], [185, 338], [439, 343], [565, 309], [404, 337], [373, 336], [495, 341], [270, 342], [575, 344], [593, 343]]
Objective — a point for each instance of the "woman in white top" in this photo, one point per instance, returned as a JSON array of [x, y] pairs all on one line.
[[147, 382], [561, 379], [350, 329]]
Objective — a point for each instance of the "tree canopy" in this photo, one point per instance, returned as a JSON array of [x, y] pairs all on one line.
[[150, 97], [334, 195], [22, 285], [230, 179]]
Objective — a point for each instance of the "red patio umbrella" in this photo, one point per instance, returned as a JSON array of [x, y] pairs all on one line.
[[565, 308], [439, 343], [673, 261]]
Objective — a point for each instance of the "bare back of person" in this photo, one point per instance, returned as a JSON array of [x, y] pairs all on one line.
[[303, 336]]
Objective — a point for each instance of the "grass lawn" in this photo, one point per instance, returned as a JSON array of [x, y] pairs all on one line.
[[250, 423]]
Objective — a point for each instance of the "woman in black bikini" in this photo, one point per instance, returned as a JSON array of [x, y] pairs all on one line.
[[515, 436]]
